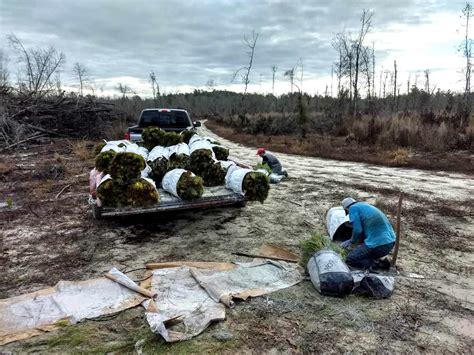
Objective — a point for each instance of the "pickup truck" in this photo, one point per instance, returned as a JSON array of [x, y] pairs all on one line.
[[175, 120]]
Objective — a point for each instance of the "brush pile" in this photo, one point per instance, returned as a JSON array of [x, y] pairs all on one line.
[[183, 170]]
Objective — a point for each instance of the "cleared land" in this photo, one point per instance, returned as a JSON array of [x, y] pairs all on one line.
[[46, 239]]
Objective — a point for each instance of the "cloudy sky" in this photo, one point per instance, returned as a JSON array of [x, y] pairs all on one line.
[[187, 43]]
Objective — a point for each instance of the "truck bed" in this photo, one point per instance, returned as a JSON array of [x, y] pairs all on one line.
[[212, 197]]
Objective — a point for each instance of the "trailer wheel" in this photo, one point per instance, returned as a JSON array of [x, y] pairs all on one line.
[[96, 211], [242, 203]]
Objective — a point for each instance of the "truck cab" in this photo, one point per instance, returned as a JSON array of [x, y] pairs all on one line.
[[171, 120]]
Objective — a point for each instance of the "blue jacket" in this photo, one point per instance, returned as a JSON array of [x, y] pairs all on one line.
[[370, 225]]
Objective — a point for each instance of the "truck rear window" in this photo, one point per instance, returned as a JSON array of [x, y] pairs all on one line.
[[172, 119]]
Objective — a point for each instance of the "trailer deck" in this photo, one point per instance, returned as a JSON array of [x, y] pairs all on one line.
[[217, 196]]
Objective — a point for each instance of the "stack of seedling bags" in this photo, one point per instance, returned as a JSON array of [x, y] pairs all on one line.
[[124, 181], [182, 164]]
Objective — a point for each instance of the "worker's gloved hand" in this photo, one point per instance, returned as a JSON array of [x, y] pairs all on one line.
[[347, 244]]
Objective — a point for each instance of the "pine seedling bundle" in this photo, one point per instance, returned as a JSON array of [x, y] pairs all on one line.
[[153, 136], [179, 161], [203, 164], [126, 167], [186, 136], [220, 152], [141, 193], [159, 167], [112, 194], [97, 148], [256, 186], [103, 160], [190, 186]]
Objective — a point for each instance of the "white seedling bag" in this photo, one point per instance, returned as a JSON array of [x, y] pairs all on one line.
[[170, 181], [181, 148], [201, 145], [135, 148], [226, 164], [197, 138], [235, 177], [158, 152]]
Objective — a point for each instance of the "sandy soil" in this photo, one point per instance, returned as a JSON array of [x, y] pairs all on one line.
[[45, 239]]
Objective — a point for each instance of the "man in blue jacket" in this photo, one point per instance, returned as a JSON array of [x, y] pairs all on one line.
[[371, 228]]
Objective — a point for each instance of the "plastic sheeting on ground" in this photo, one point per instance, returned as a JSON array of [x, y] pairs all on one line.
[[248, 279], [182, 301], [45, 310], [189, 299]]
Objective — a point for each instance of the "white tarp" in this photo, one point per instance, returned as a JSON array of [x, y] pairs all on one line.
[[189, 299], [170, 181], [34, 313], [234, 178], [179, 297], [248, 279]]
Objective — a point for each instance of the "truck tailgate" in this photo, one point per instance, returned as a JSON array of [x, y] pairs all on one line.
[[212, 197]]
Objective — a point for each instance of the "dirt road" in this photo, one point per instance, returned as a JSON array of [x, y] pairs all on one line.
[[47, 239]]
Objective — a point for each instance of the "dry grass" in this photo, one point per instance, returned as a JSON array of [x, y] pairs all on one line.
[[81, 149], [400, 157], [347, 148]]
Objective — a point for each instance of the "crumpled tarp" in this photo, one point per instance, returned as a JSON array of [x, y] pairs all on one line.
[[37, 312], [189, 298], [248, 279], [180, 300]]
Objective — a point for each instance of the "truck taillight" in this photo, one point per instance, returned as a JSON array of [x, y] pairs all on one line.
[[127, 136]]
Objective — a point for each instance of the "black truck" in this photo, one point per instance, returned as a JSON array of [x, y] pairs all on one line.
[[168, 119]]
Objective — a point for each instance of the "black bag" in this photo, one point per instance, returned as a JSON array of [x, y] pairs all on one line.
[[329, 274], [376, 286]]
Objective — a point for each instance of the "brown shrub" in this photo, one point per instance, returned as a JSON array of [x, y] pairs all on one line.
[[400, 157]]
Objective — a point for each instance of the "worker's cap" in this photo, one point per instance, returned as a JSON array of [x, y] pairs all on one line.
[[347, 202], [260, 151]]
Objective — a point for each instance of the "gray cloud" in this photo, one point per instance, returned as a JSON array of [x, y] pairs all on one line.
[[188, 42]]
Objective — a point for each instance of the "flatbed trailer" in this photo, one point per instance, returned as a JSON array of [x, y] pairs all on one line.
[[217, 196]]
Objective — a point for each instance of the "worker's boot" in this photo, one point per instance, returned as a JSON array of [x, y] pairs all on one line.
[[382, 264]]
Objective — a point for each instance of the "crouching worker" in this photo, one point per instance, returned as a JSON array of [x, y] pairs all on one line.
[[371, 228], [271, 161]]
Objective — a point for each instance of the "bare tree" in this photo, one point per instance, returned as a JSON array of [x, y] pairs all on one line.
[[366, 24], [210, 84], [274, 70], [124, 90], [291, 74], [301, 74], [467, 12], [155, 87], [427, 80], [81, 73], [40, 65], [395, 73], [4, 75], [251, 44], [373, 69]]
